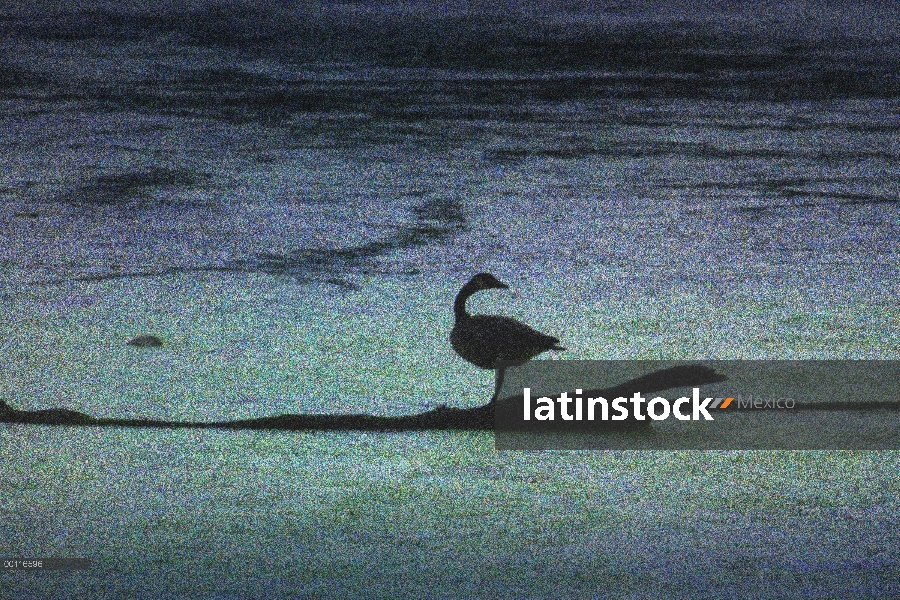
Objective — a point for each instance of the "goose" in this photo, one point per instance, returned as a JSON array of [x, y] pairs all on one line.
[[493, 341]]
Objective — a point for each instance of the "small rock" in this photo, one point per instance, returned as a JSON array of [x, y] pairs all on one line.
[[146, 341]]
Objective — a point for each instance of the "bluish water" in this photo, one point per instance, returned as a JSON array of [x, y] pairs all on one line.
[[291, 196]]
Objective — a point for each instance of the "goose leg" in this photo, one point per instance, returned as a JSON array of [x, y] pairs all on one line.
[[499, 374]]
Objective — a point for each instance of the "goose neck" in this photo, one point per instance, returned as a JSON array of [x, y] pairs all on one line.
[[459, 305]]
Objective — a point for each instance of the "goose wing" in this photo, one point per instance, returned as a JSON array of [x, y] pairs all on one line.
[[513, 339]]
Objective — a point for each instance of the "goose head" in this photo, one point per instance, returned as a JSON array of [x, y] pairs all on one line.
[[485, 281]]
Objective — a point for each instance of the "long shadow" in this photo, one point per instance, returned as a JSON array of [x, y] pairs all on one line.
[[441, 418]]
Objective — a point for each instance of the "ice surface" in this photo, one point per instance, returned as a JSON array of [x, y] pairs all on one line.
[[293, 220]]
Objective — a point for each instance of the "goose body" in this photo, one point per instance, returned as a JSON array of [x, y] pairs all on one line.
[[485, 340], [493, 341]]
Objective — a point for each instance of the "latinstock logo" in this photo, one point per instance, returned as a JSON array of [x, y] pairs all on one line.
[[699, 405], [620, 408]]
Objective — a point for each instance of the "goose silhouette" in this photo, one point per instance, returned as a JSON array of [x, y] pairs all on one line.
[[494, 341]]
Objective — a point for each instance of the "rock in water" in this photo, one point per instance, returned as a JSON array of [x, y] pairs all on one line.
[[146, 341]]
